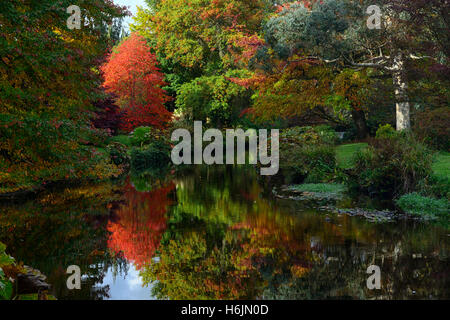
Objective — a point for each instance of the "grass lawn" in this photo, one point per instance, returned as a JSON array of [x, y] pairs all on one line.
[[346, 152], [441, 166]]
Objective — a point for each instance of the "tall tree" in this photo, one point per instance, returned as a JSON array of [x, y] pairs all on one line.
[[337, 32], [132, 74]]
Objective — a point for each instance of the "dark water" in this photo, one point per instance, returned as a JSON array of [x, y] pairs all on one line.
[[215, 233]]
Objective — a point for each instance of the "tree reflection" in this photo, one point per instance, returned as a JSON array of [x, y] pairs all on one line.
[[64, 228], [226, 241], [139, 223]]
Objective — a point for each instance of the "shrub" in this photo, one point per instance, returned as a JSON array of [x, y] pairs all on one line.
[[156, 155], [37, 150], [146, 135], [386, 132], [309, 135], [327, 134], [435, 186], [107, 115], [118, 153], [416, 204], [433, 127], [308, 163], [392, 166]]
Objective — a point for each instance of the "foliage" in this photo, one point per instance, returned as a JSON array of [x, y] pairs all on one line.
[[107, 115], [436, 186], [212, 98], [45, 67], [118, 153], [307, 154], [199, 32], [416, 204], [309, 135], [38, 150], [392, 166], [48, 82], [7, 263], [433, 127], [385, 132], [122, 139], [142, 136], [307, 163], [153, 156], [131, 73]]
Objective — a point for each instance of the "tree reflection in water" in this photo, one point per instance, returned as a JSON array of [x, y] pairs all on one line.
[[218, 234]]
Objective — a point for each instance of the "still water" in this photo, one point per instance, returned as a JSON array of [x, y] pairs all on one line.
[[218, 233]]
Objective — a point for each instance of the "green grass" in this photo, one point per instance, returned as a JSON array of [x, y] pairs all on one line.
[[319, 187], [416, 204], [441, 167], [346, 152], [123, 139], [320, 190]]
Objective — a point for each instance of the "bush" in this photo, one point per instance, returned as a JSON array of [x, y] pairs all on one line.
[[435, 186], [416, 204], [107, 115], [391, 166], [433, 127], [156, 155], [38, 150], [309, 135], [146, 135], [386, 132], [308, 163], [118, 153]]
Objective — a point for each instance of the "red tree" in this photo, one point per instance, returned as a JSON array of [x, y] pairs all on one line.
[[131, 73]]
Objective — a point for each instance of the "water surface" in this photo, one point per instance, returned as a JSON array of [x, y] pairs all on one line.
[[217, 233]]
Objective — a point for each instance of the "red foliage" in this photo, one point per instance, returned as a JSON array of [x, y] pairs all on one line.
[[131, 73], [307, 4]]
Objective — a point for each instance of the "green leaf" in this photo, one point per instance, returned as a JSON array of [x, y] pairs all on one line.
[[6, 260], [6, 289]]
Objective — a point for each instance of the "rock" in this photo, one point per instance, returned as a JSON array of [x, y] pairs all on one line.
[[32, 282]]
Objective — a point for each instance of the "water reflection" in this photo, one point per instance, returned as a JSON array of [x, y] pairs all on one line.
[[213, 233]]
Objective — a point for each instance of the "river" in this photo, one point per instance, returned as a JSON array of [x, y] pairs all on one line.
[[217, 233]]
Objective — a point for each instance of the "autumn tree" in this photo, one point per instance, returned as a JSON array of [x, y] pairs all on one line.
[[48, 82], [336, 32], [44, 66], [132, 74], [196, 43]]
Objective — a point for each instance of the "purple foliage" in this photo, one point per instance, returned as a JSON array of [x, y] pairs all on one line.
[[107, 115]]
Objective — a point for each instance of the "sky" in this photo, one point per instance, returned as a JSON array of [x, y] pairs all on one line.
[[132, 7]]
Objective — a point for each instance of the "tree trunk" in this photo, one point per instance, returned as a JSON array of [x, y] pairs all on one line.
[[402, 102], [359, 119]]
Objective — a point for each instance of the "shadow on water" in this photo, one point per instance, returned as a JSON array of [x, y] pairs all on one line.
[[216, 233]]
